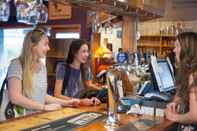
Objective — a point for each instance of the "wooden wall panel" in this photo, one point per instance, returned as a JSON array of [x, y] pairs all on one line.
[[96, 37], [129, 41]]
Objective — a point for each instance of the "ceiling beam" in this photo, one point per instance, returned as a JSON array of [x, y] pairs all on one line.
[[143, 9]]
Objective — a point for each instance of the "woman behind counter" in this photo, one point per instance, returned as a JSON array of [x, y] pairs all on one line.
[[183, 109], [27, 76]]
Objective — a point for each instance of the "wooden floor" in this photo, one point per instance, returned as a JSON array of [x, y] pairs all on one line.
[[41, 118]]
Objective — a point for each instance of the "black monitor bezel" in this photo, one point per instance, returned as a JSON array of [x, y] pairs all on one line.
[[157, 82]]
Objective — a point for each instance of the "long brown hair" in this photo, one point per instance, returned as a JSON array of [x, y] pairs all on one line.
[[187, 65], [74, 48], [26, 58]]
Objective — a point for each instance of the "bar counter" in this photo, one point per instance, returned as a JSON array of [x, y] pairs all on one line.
[[45, 117]]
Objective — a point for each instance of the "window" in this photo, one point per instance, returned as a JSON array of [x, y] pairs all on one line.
[[64, 35], [12, 41]]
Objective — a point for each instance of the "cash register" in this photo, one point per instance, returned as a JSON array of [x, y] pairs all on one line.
[[158, 91], [162, 85]]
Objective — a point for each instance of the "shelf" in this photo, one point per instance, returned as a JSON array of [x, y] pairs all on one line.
[[148, 45], [167, 46], [155, 46], [58, 53], [157, 36], [161, 44], [54, 56], [51, 74], [169, 36]]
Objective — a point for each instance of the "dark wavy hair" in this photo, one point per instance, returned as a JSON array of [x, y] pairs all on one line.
[[74, 48], [187, 65]]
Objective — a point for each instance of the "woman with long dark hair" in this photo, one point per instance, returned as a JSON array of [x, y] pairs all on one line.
[[183, 109], [71, 75]]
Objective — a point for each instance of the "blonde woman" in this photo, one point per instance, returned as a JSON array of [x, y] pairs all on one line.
[[27, 77]]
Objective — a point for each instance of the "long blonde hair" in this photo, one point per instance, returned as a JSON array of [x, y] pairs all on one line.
[[26, 58]]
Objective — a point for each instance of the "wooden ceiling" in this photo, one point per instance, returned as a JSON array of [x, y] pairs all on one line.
[[181, 10], [142, 9]]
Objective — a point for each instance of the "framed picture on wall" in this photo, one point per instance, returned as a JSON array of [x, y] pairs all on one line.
[[119, 34], [59, 10]]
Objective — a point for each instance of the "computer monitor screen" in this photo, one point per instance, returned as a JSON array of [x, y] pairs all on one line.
[[171, 67], [161, 72]]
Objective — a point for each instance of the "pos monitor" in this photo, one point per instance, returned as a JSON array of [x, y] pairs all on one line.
[[162, 74]]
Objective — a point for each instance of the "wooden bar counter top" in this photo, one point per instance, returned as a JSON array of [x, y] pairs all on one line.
[[45, 117]]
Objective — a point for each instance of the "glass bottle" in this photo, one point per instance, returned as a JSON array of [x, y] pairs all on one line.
[[4, 10]]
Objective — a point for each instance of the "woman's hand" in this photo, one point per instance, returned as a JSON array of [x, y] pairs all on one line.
[[89, 102], [95, 101], [172, 110], [51, 107], [85, 102], [174, 107], [172, 116], [71, 103]]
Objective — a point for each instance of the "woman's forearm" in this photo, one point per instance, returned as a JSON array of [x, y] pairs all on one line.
[[27, 103], [59, 100], [187, 118]]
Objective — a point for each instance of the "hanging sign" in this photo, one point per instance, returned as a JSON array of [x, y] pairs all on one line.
[[59, 10]]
